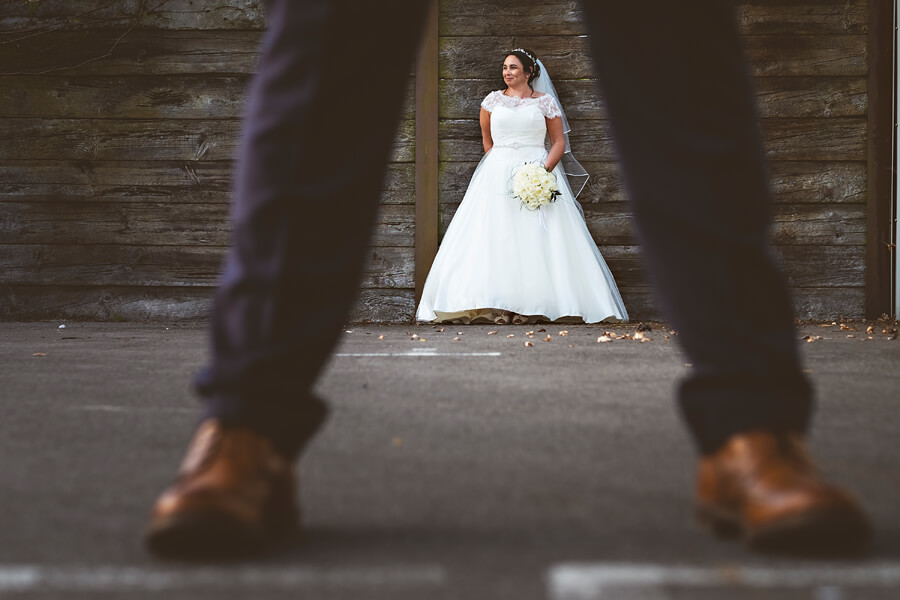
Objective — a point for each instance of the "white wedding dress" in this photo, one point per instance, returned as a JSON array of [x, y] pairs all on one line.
[[499, 256]]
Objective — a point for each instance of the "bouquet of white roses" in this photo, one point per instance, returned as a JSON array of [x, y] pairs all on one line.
[[534, 185]]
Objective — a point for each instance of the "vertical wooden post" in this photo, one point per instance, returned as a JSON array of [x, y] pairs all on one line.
[[427, 149], [879, 253]]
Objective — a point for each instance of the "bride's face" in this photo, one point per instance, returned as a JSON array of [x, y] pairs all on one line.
[[513, 73]]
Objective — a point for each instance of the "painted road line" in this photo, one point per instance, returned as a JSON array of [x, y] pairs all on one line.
[[602, 581], [112, 408], [427, 352], [39, 578]]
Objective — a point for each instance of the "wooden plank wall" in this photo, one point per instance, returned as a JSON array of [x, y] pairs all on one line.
[[115, 175], [808, 62]]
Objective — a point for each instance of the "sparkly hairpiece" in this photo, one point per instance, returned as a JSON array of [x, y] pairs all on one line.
[[526, 53]]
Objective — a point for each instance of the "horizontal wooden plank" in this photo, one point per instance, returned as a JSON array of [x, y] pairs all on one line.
[[811, 304], [799, 55], [155, 224], [835, 139], [839, 139], [141, 139], [564, 17], [568, 57], [526, 17], [149, 181], [167, 266], [120, 303], [138, 53], [157, 14], [806, 17], [113, 303], [780, 97], [205, 96], [103, 303], [829, 304], [457, 17], [235, 53], [795, 182], [803, 224], [792, 182]]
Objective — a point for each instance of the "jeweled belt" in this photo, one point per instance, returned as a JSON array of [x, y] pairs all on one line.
[[517, 145]]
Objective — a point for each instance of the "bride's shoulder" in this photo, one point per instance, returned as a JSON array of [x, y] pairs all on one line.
[[549, 106], [491, 100]]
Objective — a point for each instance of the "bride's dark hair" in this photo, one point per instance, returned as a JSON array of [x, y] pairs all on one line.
[[529, 63]]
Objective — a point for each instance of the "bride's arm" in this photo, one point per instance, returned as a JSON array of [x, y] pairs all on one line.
[[486, 138], [557, 143]]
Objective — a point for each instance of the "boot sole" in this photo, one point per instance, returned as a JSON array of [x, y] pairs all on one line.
[[204, 536], [823, 532]]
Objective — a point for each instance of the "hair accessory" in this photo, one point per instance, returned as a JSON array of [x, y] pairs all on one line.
[[526, 53]]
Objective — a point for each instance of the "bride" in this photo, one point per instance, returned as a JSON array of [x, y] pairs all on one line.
[[500, 261]]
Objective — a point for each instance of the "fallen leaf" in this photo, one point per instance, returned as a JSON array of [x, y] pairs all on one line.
[[549, 338], [812, 338], [529, 332], [851, 336], [604, 338], [39, 354], [456, 339], [459, 333], [380, 337], [512, 335], [441, 330], [542, 330], [493, 332], [826, 325], [421, 339], [870, 329], [563, 333], [528, 344], [689, 364], [571, 345], [414, 337]]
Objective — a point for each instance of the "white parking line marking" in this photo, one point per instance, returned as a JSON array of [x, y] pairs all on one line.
[[597, 581], [132, 409], [426, 352], [34, 578]]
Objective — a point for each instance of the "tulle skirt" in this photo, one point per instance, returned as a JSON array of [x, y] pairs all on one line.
[[498, 256]]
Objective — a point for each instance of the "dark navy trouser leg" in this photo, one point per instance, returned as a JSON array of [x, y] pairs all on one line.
[[321, 117], [684, 118]]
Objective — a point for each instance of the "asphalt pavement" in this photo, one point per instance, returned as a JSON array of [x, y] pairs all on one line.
[[457, 464]]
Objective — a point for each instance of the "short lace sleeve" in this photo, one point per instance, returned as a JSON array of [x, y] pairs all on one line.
[[491, 100], [549, 106]]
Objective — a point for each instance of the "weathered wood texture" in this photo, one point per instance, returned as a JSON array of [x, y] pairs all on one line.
[[116, 151], [117, 154], [808, 64]]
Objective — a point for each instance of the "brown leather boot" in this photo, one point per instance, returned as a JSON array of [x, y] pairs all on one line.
[[234, 494], [767, 487]]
